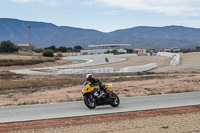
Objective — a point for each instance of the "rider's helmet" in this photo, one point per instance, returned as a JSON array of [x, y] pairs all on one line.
[[89, 77]]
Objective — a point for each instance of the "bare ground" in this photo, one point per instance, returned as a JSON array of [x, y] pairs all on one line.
[[136, 61], [29, 57], [183, 119], [183, 78], [190, 62], [141, 85]]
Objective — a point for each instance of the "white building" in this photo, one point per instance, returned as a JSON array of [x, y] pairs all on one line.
[[101, 51], [141, 51]]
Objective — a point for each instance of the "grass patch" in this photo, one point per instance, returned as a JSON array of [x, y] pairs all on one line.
[[150, 72], [29, 103], [70, 100], [31, 84], [33, 102], [165, 127], [179, 91], [34, 84], [45, 102], [154, 93], [121, 79], [11, 77], [11, 62], [79, 61]]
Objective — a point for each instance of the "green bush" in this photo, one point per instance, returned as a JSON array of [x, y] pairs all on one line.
[[48, 53], [115, 51], [7, 47]]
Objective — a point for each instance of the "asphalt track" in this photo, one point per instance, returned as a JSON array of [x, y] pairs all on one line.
[[75, 109], [90, 61]]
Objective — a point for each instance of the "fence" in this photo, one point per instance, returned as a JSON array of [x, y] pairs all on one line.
[[29, 53], [101, 55], [86, 71]]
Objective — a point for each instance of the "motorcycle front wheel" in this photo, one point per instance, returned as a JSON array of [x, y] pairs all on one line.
[[116, 101], [89, 101]]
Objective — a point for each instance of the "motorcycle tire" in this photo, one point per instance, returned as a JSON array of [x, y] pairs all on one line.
[[90, 104], [116, 101]]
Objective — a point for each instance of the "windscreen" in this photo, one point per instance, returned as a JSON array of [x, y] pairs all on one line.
[[86, 83]]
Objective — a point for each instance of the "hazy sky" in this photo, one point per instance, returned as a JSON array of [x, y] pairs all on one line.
[[105, 15]]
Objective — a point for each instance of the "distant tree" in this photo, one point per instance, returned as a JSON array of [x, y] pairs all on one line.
[[7, 47], [197, 47], [38, 50], [115, 51], [187, 50], [69, 49], [77, 48], [107, 52], [48, 53], [129, 50], [52, 47], [62, 49]]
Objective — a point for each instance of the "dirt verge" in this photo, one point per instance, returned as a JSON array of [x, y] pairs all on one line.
[[18, 61], [42, 89], [98, 119]]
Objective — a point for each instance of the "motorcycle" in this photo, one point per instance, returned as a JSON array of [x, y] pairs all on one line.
[[94, 96]]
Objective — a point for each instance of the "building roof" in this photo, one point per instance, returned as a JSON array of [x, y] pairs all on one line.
[[139, 48], [109, 45], [25, 45]]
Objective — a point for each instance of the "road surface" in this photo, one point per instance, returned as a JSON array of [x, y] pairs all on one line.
[[74, 109], [91, 61]]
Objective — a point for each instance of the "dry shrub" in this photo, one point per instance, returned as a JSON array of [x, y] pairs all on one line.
[[30, 85]]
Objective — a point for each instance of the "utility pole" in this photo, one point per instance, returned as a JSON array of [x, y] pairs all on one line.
[[153, 44], [14, 39], [29, 34], [133, 46]]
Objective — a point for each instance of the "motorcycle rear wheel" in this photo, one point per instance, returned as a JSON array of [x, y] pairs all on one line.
[[116, 102], [89, 101]]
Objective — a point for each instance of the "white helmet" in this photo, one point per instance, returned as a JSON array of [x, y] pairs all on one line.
[[89, 77]]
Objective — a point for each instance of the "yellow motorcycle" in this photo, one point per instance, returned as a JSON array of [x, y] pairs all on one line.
[[94, 96]]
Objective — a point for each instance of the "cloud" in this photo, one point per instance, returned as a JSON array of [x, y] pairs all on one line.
[[168, 7], [47, 2], [188, 23], [88, 3], [114, 12]]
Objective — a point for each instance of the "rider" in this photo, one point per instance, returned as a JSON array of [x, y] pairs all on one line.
[[95, 82]]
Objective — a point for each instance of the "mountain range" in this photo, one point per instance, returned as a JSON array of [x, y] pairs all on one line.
[[47, 34]]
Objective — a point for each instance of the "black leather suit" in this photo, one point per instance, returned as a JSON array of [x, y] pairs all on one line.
[[96, 82]]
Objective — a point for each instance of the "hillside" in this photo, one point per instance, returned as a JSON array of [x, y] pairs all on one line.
[[46, 34]]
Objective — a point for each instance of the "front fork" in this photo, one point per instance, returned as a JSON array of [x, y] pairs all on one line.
[[91, 98]]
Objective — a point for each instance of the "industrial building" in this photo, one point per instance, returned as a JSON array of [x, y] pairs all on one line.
[[26, 46], [105, 48]]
